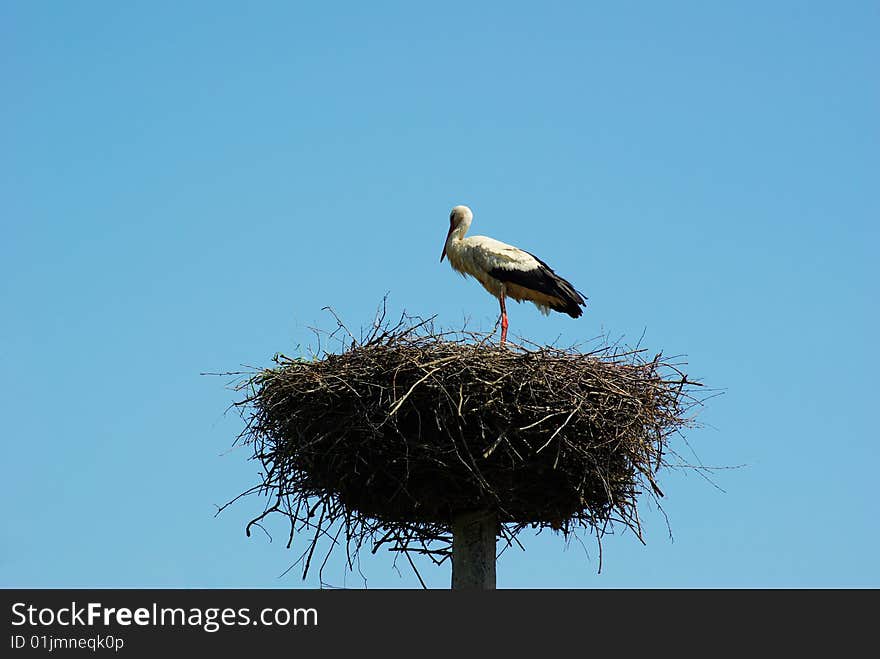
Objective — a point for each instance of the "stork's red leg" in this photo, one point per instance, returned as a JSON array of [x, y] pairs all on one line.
[[503, 319]]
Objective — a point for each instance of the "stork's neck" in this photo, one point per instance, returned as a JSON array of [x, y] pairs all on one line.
[[458, 233]]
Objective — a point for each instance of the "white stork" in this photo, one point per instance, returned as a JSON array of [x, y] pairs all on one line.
[[507, 271]]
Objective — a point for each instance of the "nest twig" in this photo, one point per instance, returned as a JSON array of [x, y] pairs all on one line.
[[382, 444]]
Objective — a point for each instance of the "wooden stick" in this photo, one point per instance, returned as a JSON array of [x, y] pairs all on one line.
[[473, 550]]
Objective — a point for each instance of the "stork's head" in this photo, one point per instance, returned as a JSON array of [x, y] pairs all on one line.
[[460, 216]]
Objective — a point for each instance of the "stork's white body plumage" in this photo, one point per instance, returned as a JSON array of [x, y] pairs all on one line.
[[507, 271]]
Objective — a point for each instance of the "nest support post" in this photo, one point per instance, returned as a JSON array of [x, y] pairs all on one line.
[[473, 550]]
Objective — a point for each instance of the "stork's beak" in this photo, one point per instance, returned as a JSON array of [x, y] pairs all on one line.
[[443, 255]]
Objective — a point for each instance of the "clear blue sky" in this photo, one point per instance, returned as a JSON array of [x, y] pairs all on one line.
[[185, 185]]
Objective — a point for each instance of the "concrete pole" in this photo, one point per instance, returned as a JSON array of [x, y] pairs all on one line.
[[473, 550]]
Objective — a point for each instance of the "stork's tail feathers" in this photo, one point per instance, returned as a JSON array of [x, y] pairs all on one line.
[[572, 300]]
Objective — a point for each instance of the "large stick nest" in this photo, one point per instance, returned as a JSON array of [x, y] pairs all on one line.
[[392, 437]]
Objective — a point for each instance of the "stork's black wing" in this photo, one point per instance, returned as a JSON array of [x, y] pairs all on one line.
[[544, 280]]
